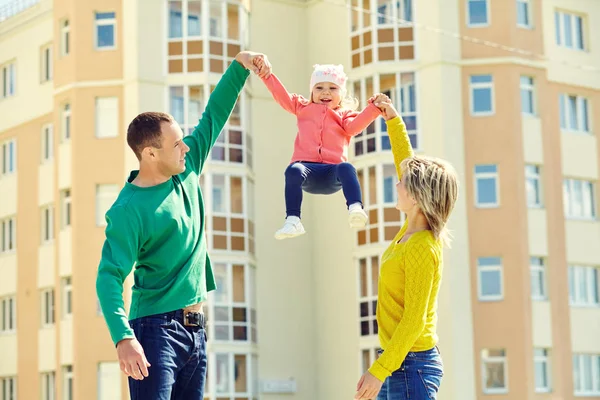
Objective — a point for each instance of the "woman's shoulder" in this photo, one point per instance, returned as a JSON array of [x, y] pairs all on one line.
[[424, 241]]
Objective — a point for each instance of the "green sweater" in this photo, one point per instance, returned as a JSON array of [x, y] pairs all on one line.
[[160, 229]]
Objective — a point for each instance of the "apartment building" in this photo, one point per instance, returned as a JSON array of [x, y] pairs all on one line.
[[506, 91]]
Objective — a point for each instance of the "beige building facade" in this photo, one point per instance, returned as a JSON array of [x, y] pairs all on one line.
[[508, 92]]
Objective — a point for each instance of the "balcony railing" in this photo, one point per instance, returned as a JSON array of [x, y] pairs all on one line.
[[15, 7]]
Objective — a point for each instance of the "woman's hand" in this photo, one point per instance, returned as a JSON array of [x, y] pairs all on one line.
[[368, 387], [388, 110]]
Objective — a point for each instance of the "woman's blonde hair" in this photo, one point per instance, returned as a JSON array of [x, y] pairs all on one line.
[[433, 184]]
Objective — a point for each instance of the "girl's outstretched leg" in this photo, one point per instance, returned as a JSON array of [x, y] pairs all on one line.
[[346, 174], [295, 175]]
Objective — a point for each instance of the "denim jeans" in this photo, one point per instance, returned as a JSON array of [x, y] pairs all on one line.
[[319, 178], [177, 355], [418, 378]]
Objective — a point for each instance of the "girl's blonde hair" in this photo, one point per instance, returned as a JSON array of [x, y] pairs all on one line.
[[433, 184]]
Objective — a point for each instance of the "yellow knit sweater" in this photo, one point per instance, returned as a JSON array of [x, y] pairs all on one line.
[[409, 282]]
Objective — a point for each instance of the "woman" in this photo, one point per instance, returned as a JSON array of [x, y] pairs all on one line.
[[410, 275]]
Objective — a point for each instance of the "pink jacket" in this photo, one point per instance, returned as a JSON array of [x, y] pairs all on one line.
[[323, 134]]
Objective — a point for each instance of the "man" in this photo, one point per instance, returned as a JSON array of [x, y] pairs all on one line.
[[157, 223]]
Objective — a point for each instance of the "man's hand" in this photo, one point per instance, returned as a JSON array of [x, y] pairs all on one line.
[[368, 386], [132, 359], [256, 62]]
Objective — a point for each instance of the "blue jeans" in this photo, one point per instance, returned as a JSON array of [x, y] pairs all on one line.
[[418, 378], [177, 355], [319, 178]]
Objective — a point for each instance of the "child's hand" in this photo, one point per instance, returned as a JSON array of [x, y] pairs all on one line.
[[378, 98], [388, 109], [263, 65]]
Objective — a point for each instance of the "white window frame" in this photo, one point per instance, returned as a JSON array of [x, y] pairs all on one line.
[[588, 199], [8, 76], [106, 195], [8, 314], [530, 88], [67, 372], [8, 387], [9, 161], [529, 24], [47, 231], [494, 359], [487, 15], [66, 208], [542, 356], [579, 362], [561, 35], [65, 37], [490, 268], [537, 267], [48, 389], [590, 277], [487, 175], [107, 117], [226, 388], [533, 173], [47, 143], [66, 123], [371, 295], [46, 63], [8, 235], [105, 22], [581, 119], [48, 307], [67, 297], [482, 85]]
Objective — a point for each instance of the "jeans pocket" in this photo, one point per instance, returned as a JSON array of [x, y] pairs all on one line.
[[431, 379]]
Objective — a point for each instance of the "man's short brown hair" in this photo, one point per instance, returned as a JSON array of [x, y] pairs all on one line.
[[145, 131]]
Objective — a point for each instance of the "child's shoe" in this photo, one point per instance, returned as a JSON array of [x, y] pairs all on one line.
[[357, 217], [291, 228]]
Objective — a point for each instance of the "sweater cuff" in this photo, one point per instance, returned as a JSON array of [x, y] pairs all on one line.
[[379, 372], [394, 120], [375, 109], [238, 68]]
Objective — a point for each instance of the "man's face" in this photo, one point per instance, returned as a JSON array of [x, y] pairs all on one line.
[[171, 157]]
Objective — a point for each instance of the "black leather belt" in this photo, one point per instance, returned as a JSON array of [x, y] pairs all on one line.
[[188, 318]]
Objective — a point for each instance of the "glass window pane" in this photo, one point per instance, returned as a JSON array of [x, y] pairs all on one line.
[[482, 100], [477, 12], [194, 18], [494, 375], [486, 191], [486, 168], [491, 283], [568, 32], [223, 382], [175, 19]]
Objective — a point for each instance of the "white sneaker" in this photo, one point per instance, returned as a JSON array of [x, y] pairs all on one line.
[[357, 217], [291, 228]]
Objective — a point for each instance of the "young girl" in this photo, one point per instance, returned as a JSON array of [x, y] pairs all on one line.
[[326, 122], [410, 276]]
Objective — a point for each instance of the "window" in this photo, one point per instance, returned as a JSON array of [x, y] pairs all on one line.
[[65, 208], [583, 286], [579, 199], [47, 223], [586, 374], [48, 386], [106, 195], [477, 13], [486, 186], [9, 157], [533, 184], [109, 381], [8, 314], [235, 376], [524, 14], [482, 95], [230, 146], [368, 278], [105, 30], [527, 95], [47, 143], [574, 113], [46, 63], [490, 283], [47, 307], [67, 296], [107, 117], [569, 30], [67, 388], [65, 36], [538, 278], [231, 223], [66, 122], [8, 235], [9, 81], [494, 371], [9, 388], [541, 363], [234, 305], [389, 10]]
